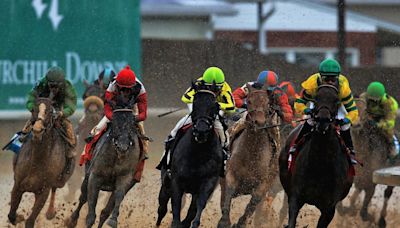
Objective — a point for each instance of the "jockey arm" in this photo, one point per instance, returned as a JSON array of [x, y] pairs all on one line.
[[283, 102], [142, 107], [70, 100], [390, 110], [225, 99], [346, 98], [31, 101], [239, 96]]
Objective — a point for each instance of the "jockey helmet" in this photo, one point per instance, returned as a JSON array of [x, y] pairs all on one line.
[[288, 88], [126, 78], [268, 78], [213, 74], [375, 91], [329, 68], [55, 76]]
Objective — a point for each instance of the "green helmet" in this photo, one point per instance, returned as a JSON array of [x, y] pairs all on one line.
[[329, 67], [55, 75], [376, 91], [213, 74]]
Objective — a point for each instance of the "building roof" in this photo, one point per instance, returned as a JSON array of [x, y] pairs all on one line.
[[362, 2], [186, 8], [290, 16]]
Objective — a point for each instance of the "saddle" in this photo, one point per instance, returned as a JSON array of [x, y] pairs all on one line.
[[292, 156]]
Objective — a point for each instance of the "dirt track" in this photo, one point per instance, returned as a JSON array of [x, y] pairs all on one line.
[[139, 208]]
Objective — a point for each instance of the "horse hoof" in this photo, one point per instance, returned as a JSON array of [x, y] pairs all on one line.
[[112, 223], [50, 214], [15, 219], [70, 223], [381, 223]]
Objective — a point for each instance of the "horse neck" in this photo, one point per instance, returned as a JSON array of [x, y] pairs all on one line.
[[41, 151], [324, 148], [250, 137]]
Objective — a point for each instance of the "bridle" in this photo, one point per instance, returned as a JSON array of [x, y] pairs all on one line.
[[267, 113], [318, 107], [208, 120]]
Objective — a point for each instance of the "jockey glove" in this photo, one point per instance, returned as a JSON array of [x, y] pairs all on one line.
[[345, 121], [307, 111]]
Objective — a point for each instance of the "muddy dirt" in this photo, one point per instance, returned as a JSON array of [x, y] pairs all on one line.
[[139, 208]]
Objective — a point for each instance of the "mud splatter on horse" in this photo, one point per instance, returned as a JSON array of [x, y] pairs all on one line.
[[40, 164]]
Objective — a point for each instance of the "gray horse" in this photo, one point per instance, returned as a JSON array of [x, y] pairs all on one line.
[[112, 168]]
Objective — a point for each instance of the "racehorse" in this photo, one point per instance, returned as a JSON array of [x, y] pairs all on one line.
[[373, 149], [253, 165], [196, 163], [40, 163], [93, 104], [112, 168], [320, 174]]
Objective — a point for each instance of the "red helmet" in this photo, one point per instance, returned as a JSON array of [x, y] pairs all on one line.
[[126, 78]]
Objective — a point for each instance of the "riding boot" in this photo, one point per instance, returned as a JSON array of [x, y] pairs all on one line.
[[69, 131], [349, 144], [304, 130], [168, 144], [145, 142]]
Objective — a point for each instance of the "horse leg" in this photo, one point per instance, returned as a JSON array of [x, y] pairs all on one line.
[[284, 209], [191, 212], [227, 192], [105, 213], [388, 193], [351, 209], [326, 217], [40, 200], [205, 192], [294, 208], [364, 209], [72, 221], [51, 211], [123, 185], [16, 196], [176, 201], [163, 198], [92, 194], [258, 194]]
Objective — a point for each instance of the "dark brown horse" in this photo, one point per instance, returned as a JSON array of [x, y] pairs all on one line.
[[253, 166], [93, 104], [373, 149], [40, 164], [320, 175]]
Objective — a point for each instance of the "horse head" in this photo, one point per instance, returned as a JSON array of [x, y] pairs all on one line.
[[123, 131], [43, 117], [93, 99], [258, 107], [205, 110], [326, 107]]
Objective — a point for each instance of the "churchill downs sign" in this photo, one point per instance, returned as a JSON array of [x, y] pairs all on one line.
[[81, 36]]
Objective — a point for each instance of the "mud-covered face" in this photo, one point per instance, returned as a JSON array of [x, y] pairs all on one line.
[[55, 87], [257, 106]]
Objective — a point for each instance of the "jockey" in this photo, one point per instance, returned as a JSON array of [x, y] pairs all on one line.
[[277, 96], [381, 111], [128, 85], [225, 100], [65, 100], [290, 91], [329, 73]]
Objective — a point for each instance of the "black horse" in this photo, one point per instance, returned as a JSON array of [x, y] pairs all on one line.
[[195, 165], [320, 175], [112, 168]]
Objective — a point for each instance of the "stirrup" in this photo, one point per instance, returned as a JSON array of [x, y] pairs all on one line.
[[292, 149]]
